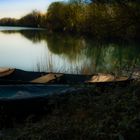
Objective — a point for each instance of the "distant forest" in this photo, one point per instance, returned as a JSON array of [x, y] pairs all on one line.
[[101, 19]]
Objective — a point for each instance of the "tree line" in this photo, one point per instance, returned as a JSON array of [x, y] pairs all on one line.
[[98, 18]]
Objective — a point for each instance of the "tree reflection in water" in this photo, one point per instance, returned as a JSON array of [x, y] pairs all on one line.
[[82, 55]]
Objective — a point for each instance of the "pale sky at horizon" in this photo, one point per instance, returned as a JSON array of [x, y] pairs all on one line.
[[19, 8]]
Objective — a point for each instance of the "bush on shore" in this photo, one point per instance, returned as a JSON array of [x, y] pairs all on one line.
[[99, 19]]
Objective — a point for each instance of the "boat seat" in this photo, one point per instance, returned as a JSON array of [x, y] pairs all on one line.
[[46, 78], [105, 78], [6, 71]]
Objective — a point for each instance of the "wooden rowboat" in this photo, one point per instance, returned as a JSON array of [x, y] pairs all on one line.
[[5, 72], [15, 76]]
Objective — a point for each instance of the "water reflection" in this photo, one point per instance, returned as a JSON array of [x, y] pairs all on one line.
[[37, 51]]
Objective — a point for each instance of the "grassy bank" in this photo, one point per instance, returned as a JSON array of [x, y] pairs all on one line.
[[101, 113]]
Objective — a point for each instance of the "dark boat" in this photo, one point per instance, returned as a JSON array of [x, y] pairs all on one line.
[[17, 92], [21, 101], [27, 92], [21, 85], [23, 77]]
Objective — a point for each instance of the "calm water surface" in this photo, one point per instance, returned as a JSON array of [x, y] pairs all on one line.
[[34, 50]]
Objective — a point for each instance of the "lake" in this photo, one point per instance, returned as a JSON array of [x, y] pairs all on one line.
[[34, 50]]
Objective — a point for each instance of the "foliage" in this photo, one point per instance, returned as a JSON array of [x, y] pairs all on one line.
[[101, 19], [32, 19], [8, 22], [115, 1]]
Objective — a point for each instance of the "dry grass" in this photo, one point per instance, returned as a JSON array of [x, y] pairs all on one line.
[[101, 113]]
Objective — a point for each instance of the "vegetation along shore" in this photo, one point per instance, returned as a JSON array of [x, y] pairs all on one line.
[[101, 19], [97, 113]]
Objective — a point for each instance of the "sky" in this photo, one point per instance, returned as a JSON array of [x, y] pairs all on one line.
[[19, 8]]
